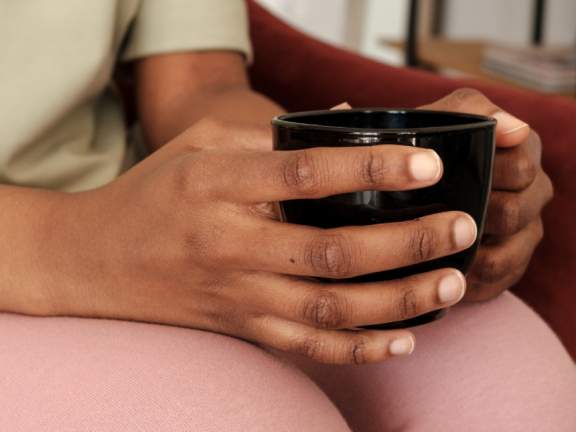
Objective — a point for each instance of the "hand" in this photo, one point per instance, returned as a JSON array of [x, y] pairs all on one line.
[[520, 190], [188, 238]]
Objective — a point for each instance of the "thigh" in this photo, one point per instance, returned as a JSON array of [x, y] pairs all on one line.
[[493, 366], [70, 374]]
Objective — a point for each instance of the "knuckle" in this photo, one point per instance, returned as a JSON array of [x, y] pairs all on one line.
[[319, 349], [357, 352], [211, 125], [197, 178], [511, 217], [312, 347], [374, 170], [407, 305], [331, 255], [183, 189], [423, 244], [491, 270], [301, 173], [523, 170], [182, 183], [325, 309], [465, 96]]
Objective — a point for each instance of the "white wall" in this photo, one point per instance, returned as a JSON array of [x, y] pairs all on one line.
[[384, 19], [510, 21], [323, 19], [506, 21], [560, 26], [327, 21]]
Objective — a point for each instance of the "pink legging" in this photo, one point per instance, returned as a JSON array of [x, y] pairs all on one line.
[[485, 367]]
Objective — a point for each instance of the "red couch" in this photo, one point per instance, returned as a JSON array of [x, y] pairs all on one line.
[[303, 74]]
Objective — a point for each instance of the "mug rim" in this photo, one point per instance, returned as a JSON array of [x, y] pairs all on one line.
[[285, 122]]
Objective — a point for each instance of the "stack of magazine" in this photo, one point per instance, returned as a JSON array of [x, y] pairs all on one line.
[[543, 69]]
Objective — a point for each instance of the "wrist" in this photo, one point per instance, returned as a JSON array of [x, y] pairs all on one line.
[[73, 261], [32, 237]]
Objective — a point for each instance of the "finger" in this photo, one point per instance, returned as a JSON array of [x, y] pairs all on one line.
[[500, 258], [342, 106], [483, 292], [349, 251], [338, 306], [510, 212], [515, 168], [332, 346], [510, 131], [214, 132], [315, 173]]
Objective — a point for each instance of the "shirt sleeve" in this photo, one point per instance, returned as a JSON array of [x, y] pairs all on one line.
[[167, 26]]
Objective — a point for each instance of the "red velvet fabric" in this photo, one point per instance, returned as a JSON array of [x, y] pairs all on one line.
[[304, 74]]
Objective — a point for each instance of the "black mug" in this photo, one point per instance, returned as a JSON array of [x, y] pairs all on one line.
[[464, 142]]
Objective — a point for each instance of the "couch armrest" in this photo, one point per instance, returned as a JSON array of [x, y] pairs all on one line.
[[304, 74]]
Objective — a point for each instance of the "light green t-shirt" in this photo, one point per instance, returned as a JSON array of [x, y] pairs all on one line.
[[61, 125]]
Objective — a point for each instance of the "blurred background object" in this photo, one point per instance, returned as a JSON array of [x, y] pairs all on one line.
[[489, 40]]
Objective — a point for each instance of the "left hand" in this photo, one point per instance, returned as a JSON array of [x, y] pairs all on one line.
[[520, 190]]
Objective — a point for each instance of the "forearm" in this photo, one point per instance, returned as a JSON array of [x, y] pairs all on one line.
[[238, 103], [174, 91]]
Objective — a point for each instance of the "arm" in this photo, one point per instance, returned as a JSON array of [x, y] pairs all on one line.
[[39, 250], [174, 91], [158, 245]]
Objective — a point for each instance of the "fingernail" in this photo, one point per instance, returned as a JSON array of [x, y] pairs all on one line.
[[425, 166], [451, 288], [525, 125], [508, 123], [403, 345], [464, 231]]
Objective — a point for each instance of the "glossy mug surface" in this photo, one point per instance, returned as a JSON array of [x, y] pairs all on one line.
[[464, 142]]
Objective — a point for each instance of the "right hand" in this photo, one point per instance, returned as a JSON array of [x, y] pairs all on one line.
[[188, 237]]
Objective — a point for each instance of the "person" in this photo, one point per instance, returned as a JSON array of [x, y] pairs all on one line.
[[165, 293]]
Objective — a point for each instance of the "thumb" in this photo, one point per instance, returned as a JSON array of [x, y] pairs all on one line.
[[510, 131], [342, 106]]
